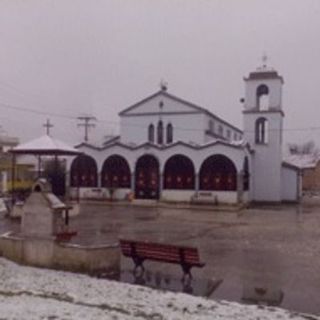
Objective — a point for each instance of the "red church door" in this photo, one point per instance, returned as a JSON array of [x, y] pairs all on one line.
[[147, 178]]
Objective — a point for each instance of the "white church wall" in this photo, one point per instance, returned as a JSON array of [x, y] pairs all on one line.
[[212, 126], [177, 195], [216, 197], [267, 158], [100, 193], [186, 127], [197, 156], [290, 184], [246, 197]]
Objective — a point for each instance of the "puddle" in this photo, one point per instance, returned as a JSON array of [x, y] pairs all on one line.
[[165, 281]]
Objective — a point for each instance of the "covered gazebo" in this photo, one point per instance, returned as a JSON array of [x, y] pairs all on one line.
[[43, 146]]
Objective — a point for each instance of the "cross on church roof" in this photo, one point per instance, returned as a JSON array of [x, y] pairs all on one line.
[[48, 126], [163, 85], [264, 60]]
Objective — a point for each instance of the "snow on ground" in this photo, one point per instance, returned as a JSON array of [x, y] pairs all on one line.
[[30, 293]]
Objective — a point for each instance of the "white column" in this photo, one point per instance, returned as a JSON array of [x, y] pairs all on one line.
[[160, 184], [197, 182], [133, 180], [99, 180]]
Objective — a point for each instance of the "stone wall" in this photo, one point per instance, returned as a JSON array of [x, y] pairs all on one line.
[[47, 253]]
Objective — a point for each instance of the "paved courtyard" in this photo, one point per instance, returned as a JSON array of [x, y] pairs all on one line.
[[272, 249]]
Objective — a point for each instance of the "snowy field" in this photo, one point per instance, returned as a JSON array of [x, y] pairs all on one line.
[[30, 293]]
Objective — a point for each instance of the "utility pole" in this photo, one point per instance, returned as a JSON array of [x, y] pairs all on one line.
[[86, 124], [48, 126]]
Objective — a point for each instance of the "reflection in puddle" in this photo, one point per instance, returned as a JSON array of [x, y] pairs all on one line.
[[159, 280]]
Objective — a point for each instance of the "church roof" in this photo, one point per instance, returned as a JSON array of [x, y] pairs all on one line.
[[264, 73], [302, 161], [193, 106]]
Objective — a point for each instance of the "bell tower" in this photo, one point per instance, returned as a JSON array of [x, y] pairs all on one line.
[[263, 120]]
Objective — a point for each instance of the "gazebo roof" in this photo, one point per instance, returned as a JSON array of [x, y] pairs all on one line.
[[45, 145]]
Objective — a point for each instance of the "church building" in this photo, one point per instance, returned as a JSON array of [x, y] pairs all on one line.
[[170, 149]]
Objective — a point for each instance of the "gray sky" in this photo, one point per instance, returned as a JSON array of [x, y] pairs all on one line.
[[71, 57]]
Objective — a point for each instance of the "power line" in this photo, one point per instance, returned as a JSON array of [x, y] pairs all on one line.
[[60, 115], [35, 111]]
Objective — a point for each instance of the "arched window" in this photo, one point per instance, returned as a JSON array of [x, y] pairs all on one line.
[[151, 133], [218, 173], [115, 173], [261, 131], [84, 172], [246, 174], [179, 173], [169, 133], [262, 97], [160, 132]]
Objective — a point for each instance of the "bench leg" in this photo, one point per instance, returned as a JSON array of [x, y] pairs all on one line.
[[138, 265], [187, 276]]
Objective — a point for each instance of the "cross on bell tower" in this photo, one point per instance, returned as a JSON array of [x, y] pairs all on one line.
[[264, 60]]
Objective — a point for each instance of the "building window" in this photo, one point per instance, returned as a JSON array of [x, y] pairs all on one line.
[[235, 137], [160, 132], [261, 131], [220, 130], [211, 126], [169, 133], [228, 134], [262, 97], [151, 133]]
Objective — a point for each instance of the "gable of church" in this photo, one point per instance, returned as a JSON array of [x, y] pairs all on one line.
[[161, 103]]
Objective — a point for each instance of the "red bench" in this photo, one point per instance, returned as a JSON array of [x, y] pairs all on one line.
[[140, 251]]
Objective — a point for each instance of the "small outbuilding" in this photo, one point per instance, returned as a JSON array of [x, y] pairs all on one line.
[[43, 212]]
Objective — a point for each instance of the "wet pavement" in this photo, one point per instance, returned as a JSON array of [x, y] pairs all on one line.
[[267, 255]]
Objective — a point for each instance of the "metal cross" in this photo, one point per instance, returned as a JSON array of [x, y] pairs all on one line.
[[163, 85], [48, 126], [264, 60]]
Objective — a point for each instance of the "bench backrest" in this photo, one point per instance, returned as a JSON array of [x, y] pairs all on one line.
[[160, 252]]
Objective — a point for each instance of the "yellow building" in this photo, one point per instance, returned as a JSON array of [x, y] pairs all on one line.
[[23, 170]]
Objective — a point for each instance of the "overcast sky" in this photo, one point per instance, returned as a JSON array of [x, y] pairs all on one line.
[[69, 57]]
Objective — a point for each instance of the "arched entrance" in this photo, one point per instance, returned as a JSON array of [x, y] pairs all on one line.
[[115, 173], [84, 172], [179, 173], [147, 178], [218, 172]]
